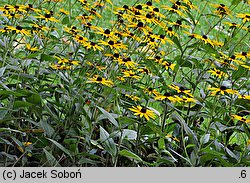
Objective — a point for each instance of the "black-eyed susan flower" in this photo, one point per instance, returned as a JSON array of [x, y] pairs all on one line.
[[170, 31], [130, 74], [180, 89], [127, 61], [178, 24], [113, 44], [245, 17], [107, 33], [221, 9], [36, 28], [168, 96], [81, 39], [132, 97], [17, 8], [221, 90], [60, 67], [140, 26], [92, 45], [243, 55], [240, 118], [168, 65], [72, 30], [143, 112], [151, 91], [30, 48], [47, 17], [30, 7], [173, 9], [247, 97], [178, 5], [163, 39], [218, 73], [19, 29], [85, 18], [187, 99], [63, 11], [101, 80]]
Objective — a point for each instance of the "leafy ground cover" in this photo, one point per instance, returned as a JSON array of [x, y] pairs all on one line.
[[115, 83]]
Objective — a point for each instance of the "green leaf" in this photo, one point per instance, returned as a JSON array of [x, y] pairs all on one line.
[[51, 159], [177, 42], [47, 128], [130, 155], [235, 2], [65, 20], [20, 104], [34, 99], [108, 143], [66, 151], [205, 138], [45, 57], [2, 71], [109, 116], [161, 143]]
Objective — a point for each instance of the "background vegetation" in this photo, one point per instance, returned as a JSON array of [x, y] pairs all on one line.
[[124, 83]]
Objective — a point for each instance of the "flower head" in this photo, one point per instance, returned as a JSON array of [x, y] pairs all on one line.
[[143, 112]]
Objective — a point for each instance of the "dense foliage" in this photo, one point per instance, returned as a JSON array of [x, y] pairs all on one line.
[[108, 83]]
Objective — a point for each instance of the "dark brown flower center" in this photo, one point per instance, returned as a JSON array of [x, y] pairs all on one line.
[[223, 88], [111, 42], [47, 15], [19, 27], [143, 110], [98, 79], [156, 10], [139, 7], [116, 55], [244, 53], [167, 94], [140, 24], [204, 37], [107, 31], [149, 3]]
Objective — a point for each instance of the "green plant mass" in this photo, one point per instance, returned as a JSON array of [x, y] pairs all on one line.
[[124, 83]]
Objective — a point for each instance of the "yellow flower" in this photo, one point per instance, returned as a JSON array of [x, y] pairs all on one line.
[[245, 17], [247, 97], [81, 39], [143, 112], [130, 74], [217, 73], [113, 44], [98, 79], [19, 29], [63, 11], [132, 97], [107, 33], [127, 62], [47, 17], [180, 89], [151, 91], [221, 9], [32, 49], [168, 65], [222, 90], [93, 45], [240, 118], [168, 96], [187, 99], [60, 67]]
